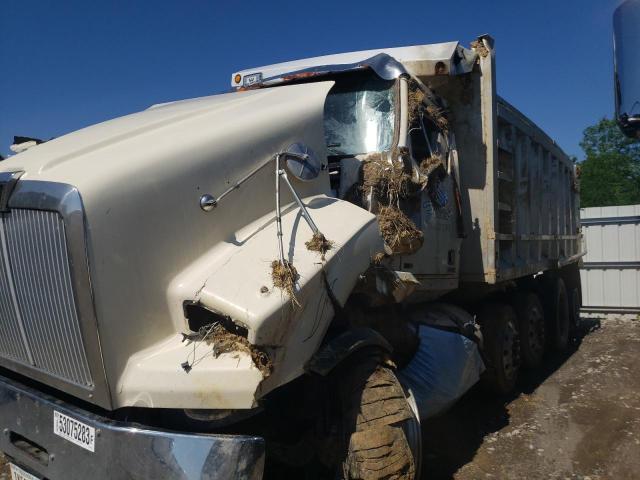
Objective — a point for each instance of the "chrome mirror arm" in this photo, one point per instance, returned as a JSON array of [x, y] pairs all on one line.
[[209, 202], [281, 173]]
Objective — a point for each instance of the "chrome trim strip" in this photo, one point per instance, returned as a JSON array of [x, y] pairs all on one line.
[[66, 200], [122, 450]]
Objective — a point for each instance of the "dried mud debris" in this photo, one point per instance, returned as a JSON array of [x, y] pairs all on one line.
[[431, 164], [284, 276], [224, 341], [319, 243], [386, 179], [378, 258], [439, 116], [398, 231], [416, 99], [479, 47], [417, 106]]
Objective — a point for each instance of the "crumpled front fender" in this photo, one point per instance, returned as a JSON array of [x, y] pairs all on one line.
[[292, 330]]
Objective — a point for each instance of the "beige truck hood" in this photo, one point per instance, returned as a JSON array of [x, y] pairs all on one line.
[[99, 153]]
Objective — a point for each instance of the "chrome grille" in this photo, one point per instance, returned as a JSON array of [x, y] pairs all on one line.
[[37, 302], [11, 335]]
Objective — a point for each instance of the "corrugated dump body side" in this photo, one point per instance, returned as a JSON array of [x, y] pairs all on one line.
[[520, 201], [537, 211]]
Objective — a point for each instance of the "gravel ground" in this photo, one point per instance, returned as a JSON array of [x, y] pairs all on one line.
[[578, 418]]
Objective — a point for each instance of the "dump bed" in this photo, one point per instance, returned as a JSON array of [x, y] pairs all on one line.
[[520, 200]]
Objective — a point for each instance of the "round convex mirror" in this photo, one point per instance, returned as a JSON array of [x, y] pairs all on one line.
[[302, 162]]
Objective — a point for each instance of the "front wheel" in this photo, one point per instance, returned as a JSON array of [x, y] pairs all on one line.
[[380, 432]]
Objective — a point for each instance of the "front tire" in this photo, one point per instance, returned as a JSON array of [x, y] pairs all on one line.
[[380, 430]]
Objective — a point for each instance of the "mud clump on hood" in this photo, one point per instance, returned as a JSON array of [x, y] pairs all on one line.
[[398, 231], [223, 341], [319, 243], [284, 276]]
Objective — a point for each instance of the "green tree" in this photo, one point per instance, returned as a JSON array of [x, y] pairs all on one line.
[[610, 173]]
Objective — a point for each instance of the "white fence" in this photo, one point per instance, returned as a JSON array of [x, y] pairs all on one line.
[[611, 272]]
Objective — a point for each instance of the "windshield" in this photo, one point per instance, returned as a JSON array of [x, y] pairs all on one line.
[[359, 115]]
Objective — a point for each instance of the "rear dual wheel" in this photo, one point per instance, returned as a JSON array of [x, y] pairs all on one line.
[[557, 312], [571, 276], [531, 325], [520, 334], [501, 347]]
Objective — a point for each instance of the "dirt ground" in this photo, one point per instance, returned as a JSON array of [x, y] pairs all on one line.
[[4, 469], [578, 418]]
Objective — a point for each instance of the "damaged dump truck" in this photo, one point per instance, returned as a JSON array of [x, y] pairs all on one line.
[[284, 279]]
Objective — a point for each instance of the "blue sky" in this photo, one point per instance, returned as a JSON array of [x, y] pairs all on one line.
[[68, 64]]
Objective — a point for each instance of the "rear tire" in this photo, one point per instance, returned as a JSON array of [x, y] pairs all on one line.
[[501, 349], [531, 326], [557, 313], [571, 276], [381, 434], [575, 306]]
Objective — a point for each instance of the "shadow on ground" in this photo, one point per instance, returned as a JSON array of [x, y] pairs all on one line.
[[450, 441]]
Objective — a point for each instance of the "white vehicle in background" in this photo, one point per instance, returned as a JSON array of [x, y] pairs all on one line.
[[297, 271]]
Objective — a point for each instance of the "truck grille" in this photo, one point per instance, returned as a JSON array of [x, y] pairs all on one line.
[[39, 323]]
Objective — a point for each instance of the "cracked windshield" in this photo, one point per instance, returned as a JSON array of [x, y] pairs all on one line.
[[359, 116]]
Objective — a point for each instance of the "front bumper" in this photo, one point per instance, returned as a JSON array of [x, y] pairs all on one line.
[[122, 450]]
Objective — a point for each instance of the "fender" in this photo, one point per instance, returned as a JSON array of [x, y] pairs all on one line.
[[343, 346]]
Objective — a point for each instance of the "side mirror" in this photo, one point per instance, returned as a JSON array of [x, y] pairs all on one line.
[[626, 22], [302, 162]]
